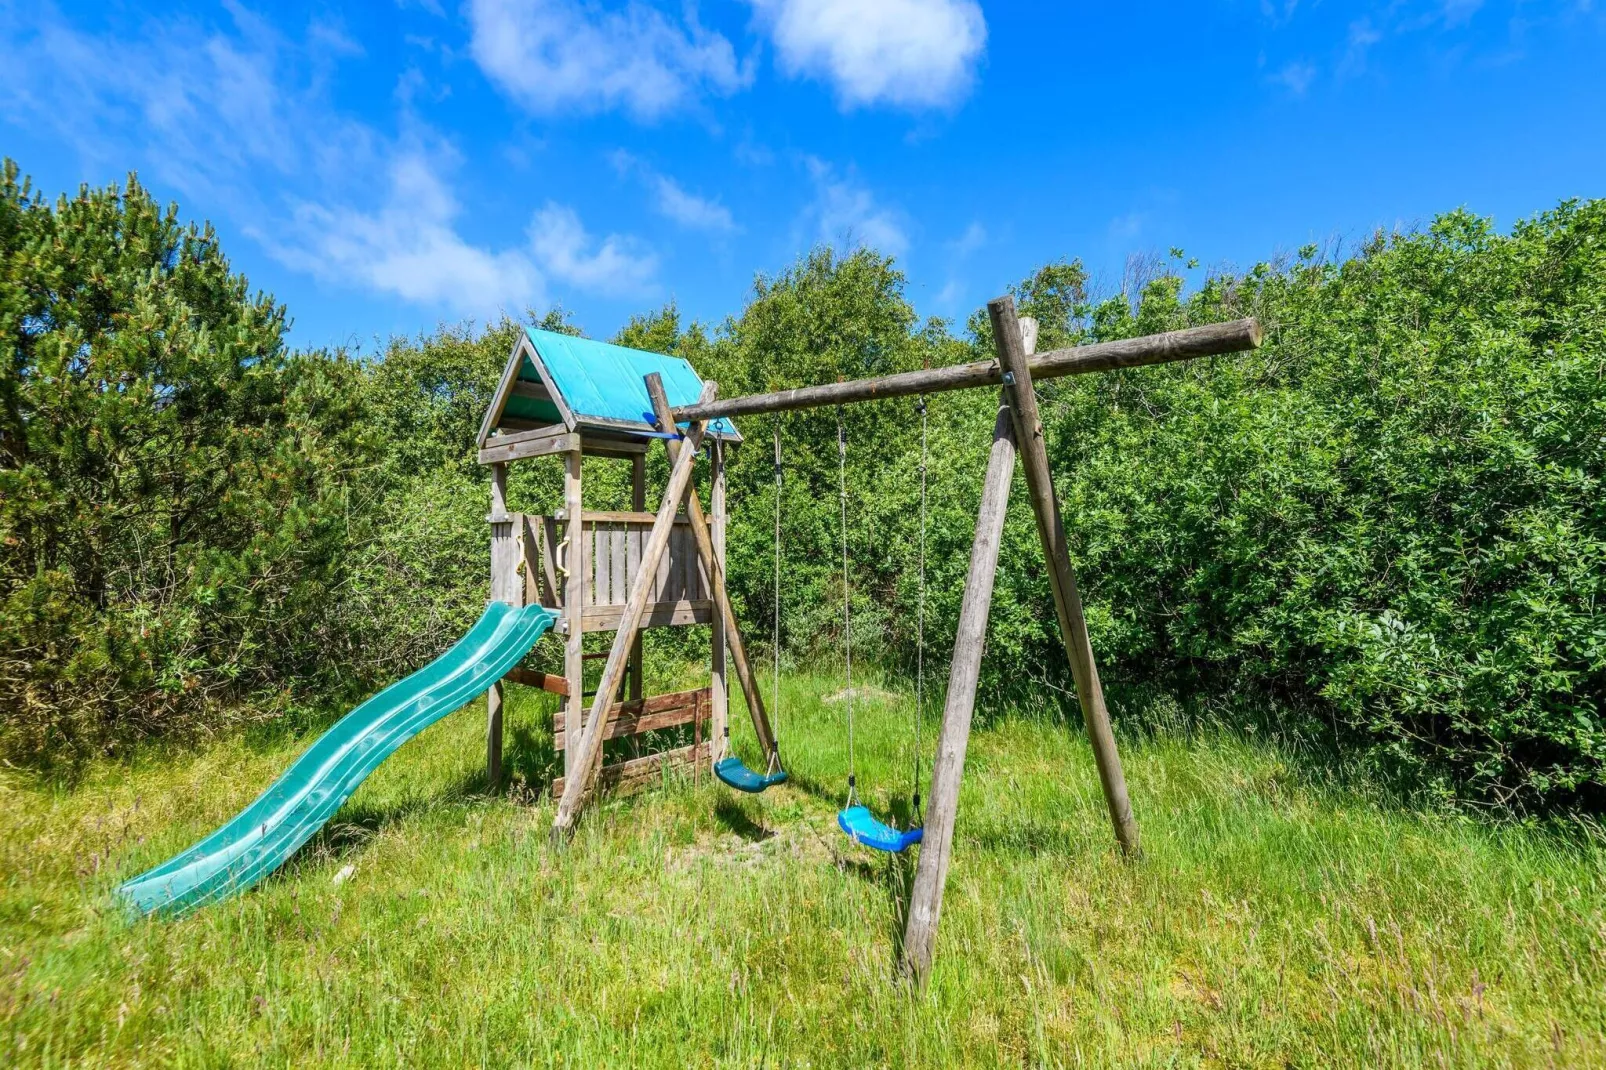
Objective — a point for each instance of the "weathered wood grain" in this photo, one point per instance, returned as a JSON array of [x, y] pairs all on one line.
[[586, 754], [647, 715], [1062, 579], [546, 681], [948, 767], [704, 541], [1211, 340], [574, 597], [637, 774], [538, 444]]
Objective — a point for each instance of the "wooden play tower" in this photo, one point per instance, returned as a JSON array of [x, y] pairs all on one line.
[[567, 398]]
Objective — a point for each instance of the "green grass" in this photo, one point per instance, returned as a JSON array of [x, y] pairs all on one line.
[[1278, 918]]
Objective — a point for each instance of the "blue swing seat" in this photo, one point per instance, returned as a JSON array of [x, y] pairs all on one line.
[[860, 824], [733, 772]]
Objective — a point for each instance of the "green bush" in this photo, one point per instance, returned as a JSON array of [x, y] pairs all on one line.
[[1392, 511], [174, 497], [1389, 517]]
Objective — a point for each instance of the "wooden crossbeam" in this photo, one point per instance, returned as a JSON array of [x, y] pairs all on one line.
[[647, 715], [1211, 340], [638, 773]]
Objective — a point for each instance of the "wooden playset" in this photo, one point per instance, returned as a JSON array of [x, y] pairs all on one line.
[[569, 398]]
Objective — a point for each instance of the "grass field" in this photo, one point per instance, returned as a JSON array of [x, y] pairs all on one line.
[[1279, 918]]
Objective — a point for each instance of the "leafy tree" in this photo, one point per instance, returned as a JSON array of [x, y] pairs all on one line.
[[173, 490]]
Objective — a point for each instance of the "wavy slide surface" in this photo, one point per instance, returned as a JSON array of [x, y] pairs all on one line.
[[266, 833]]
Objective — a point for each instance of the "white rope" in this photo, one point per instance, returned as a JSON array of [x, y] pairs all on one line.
[[716, 455], [847, 613], [920, 616], [775, 703]]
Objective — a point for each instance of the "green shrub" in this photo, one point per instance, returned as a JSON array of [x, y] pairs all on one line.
[[173, 484], [1393, 510], [1388, 517]]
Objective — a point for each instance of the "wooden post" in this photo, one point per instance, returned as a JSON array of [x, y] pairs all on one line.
[[504, 583], [719, 696], [638, 502], [574, 607], [1067, 602], [716, 581], [582, 771], [931, 873]]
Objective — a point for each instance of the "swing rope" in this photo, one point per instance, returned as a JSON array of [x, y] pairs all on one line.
[[730, 768], [855, 819], [847, 602], [920, 619], [775, 642]]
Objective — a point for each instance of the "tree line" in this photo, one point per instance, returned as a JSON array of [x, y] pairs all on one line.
[[1387, 520]]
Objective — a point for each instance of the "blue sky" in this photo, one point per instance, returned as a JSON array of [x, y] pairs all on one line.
[[384, 167]]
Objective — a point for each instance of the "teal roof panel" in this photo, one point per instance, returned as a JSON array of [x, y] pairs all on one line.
[[603, 383]]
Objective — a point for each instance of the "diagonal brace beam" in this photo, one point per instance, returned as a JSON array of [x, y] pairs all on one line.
[[716, 577], [588, 757]]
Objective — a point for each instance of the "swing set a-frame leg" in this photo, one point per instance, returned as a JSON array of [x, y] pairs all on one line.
[[1017, 429], [1022, 400], [931, 873]]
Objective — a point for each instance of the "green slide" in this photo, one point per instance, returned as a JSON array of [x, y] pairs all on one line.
[[269, 831]]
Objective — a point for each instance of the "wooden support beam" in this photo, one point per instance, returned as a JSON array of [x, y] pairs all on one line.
[[627, 516], [1067, 602], [546, 681], [519, 447], [716, 582], [942, 807], [638, 773], [647, 715], [1212, 340], [571, 564], [615, 447], [657, 615], [719, 681], [638, 502], [505, 550], [505, 438], [587, 754]]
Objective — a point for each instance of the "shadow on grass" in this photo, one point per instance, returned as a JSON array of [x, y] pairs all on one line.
[[734, 816], [895, 873], [353, 825], [530, 760]]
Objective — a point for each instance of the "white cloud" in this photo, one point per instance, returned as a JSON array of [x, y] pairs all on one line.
[[558, 56], [1128, 226], [409, 247], [690, 210], [960, 250], [846, 212], [1362, 36], [1295, 77], [974, 237], [238, 121], [672, 200], [1459, 12], [563, 248], [909, 53]]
